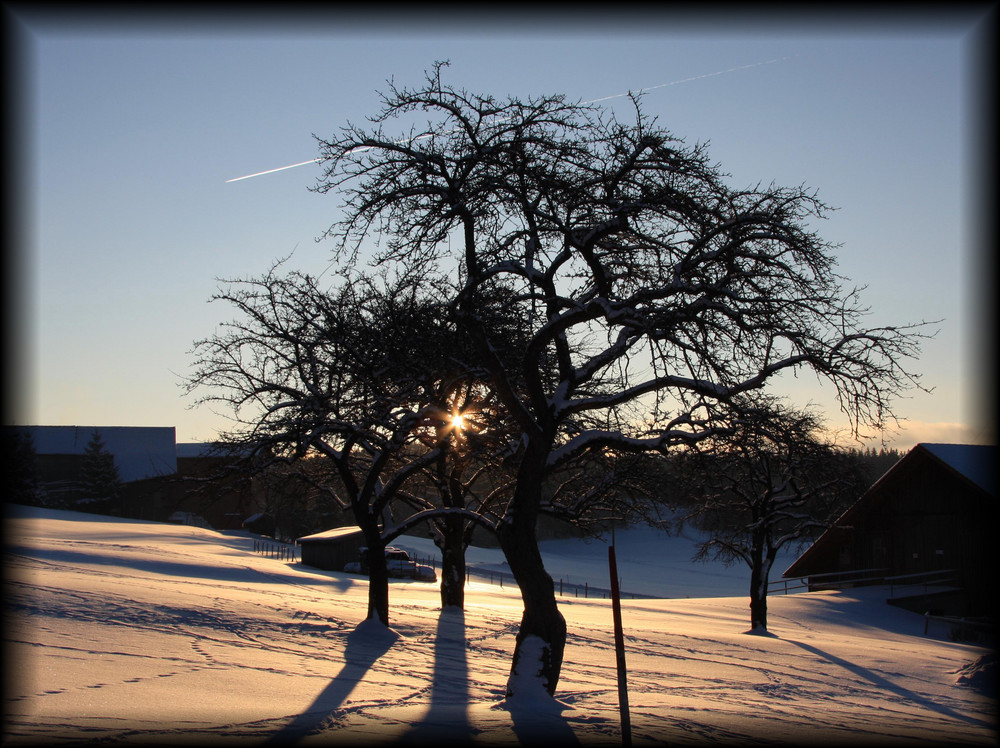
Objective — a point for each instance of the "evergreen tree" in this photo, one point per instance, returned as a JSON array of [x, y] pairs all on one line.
[[21, 475], [100, 482]]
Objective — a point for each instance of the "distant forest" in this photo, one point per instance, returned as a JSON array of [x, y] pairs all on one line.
[[301, 511], [877, 463]]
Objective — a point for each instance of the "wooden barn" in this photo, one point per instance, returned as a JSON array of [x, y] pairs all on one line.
[[332, 549], [926, 527]]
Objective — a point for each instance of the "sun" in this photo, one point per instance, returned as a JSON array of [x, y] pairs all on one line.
[[458, 421]]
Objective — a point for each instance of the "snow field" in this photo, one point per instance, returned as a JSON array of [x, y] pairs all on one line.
[[140, 632]]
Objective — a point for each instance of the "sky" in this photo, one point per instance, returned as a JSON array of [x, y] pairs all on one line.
[[128, 128], [142, 632]]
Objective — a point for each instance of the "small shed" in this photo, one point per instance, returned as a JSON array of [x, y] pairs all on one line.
[[332, 549], [261, 523], [931, 516]]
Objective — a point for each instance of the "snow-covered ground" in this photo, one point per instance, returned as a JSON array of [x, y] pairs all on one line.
[[141, 632], [650, 563]]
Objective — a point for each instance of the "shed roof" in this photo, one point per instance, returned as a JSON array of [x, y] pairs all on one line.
[[335, 533]]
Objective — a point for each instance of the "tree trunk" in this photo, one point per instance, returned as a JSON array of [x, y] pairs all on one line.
[[451, 531], [378, 573], [538, 650], [760, 570], [758, 601], [378, 585]]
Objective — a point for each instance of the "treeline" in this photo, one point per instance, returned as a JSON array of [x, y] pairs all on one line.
[[877, 462]]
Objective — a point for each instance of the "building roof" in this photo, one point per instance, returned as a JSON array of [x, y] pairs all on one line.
[[195, 449], [335, 533], [977, 462], [973, 463], [209, 449]]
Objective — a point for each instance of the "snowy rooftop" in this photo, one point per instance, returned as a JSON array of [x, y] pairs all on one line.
[[332, 534], [976, 462]]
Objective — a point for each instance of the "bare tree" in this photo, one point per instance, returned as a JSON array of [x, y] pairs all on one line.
[[359, 391], [330, 373], [771, 483], [653, 292], [467, 475]]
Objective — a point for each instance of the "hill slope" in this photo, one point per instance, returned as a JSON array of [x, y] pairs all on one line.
[[138, 632]]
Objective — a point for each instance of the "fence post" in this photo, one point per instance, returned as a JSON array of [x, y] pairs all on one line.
[[626, 720]]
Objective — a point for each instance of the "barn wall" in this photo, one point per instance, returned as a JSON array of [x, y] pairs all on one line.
[[921, 517], [928, 522]]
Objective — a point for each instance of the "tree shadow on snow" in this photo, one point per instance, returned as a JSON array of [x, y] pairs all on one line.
[[887, 685], [538, 721], [447, 720], [365, 645]]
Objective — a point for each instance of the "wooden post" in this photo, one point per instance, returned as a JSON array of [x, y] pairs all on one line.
[[619, 649]]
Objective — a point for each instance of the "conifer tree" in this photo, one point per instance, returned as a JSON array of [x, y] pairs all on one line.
[[20, 474], [100, 482]]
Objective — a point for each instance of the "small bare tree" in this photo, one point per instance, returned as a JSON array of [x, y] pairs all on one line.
[[467, 475], [653, 293], [770, 483]]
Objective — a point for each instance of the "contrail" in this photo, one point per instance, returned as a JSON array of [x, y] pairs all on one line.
[[688, 80], [271, 171], [592, 101]]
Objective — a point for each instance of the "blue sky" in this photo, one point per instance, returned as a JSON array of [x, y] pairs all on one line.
[[131, 130]]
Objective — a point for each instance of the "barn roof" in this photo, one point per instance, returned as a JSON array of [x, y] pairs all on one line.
[[973, 463], [335, 533], [976, 462]]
